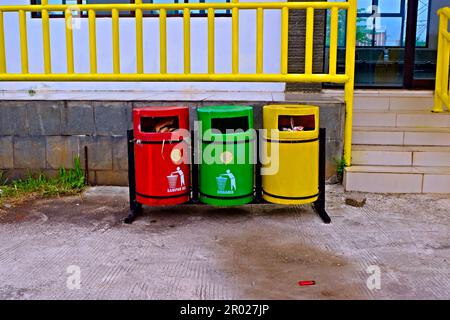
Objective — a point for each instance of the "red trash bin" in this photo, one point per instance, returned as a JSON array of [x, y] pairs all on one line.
[[161, 151]]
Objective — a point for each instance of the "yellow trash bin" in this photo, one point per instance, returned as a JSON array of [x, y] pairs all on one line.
[[290, 161]]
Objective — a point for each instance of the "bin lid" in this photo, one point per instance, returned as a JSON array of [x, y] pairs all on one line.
[[182, 123], [227, 117], [161, 110], [226, 109], [292, 117]]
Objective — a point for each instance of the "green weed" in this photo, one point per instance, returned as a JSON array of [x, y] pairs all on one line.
[[340, 168], [68, 182]]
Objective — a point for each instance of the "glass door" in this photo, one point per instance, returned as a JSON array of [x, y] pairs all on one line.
[[380, 42], [421, 64], [396, 43]]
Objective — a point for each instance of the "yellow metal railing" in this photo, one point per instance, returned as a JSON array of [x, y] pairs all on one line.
[[138, 7], [442, 97]]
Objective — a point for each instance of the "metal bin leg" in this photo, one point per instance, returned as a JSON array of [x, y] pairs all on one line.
[[319, 204]]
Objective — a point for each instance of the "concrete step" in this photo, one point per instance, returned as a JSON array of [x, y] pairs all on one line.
[[385, 100], [401, 156], [401, 136], [397, 179], [393, 100], [401, 118]]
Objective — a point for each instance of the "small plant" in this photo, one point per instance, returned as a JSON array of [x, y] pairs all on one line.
[[32, 92], [68, 182], [73, 178], [340, 168]]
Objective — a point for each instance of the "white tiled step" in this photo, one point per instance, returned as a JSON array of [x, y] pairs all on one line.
[[401, 136], [374, 119], [402, 118], [393, 100], [385, 100], [392, 179], [401, 155], [423, 119]]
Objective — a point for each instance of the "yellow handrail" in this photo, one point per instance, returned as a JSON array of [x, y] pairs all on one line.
[[441, 96], [235, 7]]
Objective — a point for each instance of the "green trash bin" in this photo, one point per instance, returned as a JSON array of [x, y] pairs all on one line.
[[227, 155]]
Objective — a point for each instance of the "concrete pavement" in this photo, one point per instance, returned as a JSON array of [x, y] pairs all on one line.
[[202, 252]]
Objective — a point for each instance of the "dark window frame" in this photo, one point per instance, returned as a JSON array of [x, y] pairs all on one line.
[[409, 82], [84, 14]]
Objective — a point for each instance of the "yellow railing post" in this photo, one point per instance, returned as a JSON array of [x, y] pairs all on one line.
[[309, 48], [350, 84], [46, 37], [92, 42], [211, 49], [162, 41], [441, 95], [2, 45], [23, 41], [445, 69], [334, 39], [187, 40], [116, 41], [235, 39], [259, 40], [284, 40], [139, 40], [69, 40]]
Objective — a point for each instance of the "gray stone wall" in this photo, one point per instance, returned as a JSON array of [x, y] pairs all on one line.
[[44, 136], [296, 48]]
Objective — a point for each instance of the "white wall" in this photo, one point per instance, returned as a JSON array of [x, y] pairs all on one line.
[[247, 42]]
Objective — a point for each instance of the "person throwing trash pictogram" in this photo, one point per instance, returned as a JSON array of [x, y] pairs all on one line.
[[232, 179], [180, 172]]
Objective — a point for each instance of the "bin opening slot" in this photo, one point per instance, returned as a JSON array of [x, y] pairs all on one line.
[[234, 123], [159, 124], [296, 123]]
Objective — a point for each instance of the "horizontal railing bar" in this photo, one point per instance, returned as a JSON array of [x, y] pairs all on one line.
[[178, 6], [316, 78]]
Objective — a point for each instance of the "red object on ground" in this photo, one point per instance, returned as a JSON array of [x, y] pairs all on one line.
[[161, 155], [306, 283]]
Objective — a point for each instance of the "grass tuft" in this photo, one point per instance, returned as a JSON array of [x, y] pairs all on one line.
[[68, 182]]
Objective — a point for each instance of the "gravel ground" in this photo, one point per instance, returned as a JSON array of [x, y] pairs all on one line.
[[248, 252]]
